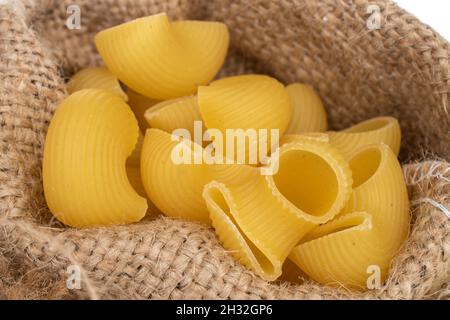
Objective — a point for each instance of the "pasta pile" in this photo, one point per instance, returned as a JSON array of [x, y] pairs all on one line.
[[333, 202]]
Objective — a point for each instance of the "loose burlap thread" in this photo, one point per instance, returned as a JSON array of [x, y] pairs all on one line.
[[402, 69]]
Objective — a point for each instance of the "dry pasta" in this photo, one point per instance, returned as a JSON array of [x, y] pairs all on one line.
[[283, 194], [96, 78], [174, 187], [247, 103], [174, 114], [308, 113], [261, 218], [370, 230], [319, 136], [375, 130], [85, 180], [164, 60]]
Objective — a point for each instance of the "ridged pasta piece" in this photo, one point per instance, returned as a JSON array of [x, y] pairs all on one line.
[[96, 78], [245, 102], [318, 136], [308, 113], [173, 186], [140, 104], [248, 103], [313, 179], [375, 130], [370, 230], [164, 60], [174, 114], [261, 218], [85, 180]]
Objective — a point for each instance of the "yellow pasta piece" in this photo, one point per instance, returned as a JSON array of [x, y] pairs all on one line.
[[85, 179], [308, 113], [175, 187], [361, 242], [319, 136], [96, 78], [164, 60], [140, 104], [245, 102], [312, 178], [174, 114], [250, 103], [375, 130], [261, 218]]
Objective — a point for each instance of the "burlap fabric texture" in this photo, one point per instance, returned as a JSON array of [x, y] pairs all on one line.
[[401, 69]]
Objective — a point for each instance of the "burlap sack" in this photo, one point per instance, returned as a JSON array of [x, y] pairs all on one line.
[[400, 70]]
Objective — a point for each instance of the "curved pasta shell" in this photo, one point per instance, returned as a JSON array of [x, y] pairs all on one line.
[[176, 189], [308, 113], [371, 229], [380, 189], [85, 179], [140, 104], [96, 78], [164, 60], [174, 114], [313, 179], [245, 102], [375, 130], [259, 220], [248, 104]]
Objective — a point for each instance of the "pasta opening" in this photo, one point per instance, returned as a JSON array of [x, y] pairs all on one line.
[[369, 125], [307, 181], [342, 224], [217, 196], [364, 165]]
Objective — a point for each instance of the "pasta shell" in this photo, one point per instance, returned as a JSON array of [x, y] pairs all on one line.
[[174, 114], [245, 102], [96, 78], [164, 60], [251, 105], [260, 220], [140, 104], [313, 179], [375, 130], [368, 233], [85, 179], [174, 187], [308, 113]]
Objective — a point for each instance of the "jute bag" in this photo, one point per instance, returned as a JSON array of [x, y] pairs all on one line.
[[402, 69]]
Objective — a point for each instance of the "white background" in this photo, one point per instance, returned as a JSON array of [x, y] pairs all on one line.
[[435, 13]]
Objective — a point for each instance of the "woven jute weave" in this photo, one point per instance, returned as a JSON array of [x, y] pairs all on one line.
[[402, 69]]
